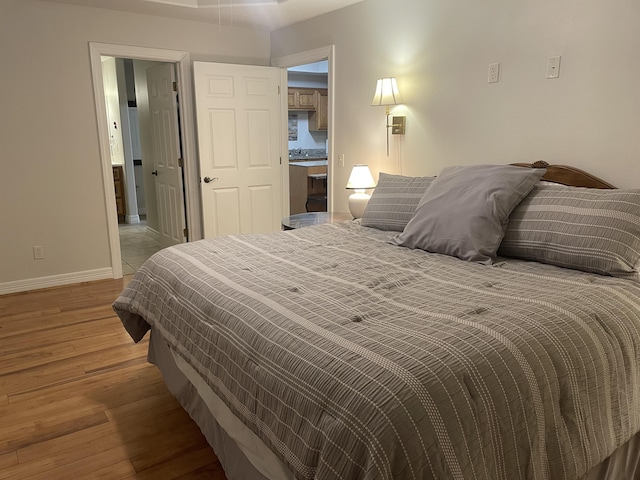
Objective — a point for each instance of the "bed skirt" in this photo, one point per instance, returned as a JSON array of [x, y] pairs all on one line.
[[244, 456], [623, 464]]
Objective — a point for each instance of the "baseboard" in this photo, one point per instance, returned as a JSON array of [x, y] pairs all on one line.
[[55, 280], [154, 233], [132, 219]]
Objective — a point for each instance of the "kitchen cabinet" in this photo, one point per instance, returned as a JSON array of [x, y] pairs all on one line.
[[313, 100], [301, 98], [319, 119]]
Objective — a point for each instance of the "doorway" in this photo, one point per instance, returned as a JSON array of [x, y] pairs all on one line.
[[143, 124], [139, 215], [186, 134], [313, 69], [307, 102]]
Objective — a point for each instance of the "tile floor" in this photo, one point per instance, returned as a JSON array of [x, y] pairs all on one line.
[[136, 244]]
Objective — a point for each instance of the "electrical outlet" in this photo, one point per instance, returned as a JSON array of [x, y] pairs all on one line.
[[494, 72], [38, 252]]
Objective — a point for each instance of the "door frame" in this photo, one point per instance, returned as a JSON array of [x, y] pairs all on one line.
[[301, 58], [182, 62]]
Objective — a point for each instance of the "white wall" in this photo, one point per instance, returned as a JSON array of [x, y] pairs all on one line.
[[307, 140], [51, 183], [440, 52]]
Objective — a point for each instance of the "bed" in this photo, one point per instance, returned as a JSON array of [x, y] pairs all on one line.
[[375, 350]]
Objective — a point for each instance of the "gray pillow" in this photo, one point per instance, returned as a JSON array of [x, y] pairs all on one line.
[[466, 210], [586, 229], [394, 201]]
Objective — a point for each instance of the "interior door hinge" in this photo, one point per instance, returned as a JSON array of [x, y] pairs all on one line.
[[185, 232], [280, 160], [278, 89], [175, 86], [180, 162]]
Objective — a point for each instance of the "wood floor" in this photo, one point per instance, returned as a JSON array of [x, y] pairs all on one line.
[[78, 399]]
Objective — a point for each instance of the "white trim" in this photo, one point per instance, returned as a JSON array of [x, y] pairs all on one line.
[[187, 123], [154, 233], [56, 280], [132, 219], [309, 56], [284, 144], [301, 58]]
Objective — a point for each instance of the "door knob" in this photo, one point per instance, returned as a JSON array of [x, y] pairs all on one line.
[[155, 172], [209, 179]]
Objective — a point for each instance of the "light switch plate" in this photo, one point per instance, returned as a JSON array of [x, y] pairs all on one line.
[[553, 67]]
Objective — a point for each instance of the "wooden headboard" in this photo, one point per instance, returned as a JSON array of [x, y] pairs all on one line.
[[567, 175]]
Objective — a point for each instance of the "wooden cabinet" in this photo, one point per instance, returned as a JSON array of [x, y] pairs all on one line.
[[319, 119], [118, 184], [301, 98], [313, 100], [291, 99]]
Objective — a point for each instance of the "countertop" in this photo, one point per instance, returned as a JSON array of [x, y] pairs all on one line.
[[310, 163]]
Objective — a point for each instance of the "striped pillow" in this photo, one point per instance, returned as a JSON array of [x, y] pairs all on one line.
[[581, 228], [394, 201]]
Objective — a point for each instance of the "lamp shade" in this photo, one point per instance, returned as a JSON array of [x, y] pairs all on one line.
[[386, 93], [361, 178]]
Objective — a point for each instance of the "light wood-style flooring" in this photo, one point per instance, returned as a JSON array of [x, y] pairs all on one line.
[[78, 399]]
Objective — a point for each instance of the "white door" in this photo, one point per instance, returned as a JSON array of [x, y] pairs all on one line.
[[239, 135], [166, 148]]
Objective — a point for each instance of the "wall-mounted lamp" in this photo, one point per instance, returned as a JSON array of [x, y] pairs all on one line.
[[359, 181], [387, 94]]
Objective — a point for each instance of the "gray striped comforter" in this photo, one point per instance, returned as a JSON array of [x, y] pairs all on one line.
[[352, 358]]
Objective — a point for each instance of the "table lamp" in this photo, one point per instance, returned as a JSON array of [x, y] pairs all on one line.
[[359, 181]]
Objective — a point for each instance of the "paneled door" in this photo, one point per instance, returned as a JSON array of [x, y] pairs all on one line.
[[167, 169], [239, 135]]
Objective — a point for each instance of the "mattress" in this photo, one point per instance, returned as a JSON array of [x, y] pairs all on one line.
[[352, 358]]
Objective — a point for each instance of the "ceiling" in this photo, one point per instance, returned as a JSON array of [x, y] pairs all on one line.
[[262, 14]]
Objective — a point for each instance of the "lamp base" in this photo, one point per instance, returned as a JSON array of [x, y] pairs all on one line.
[[357, 203]]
